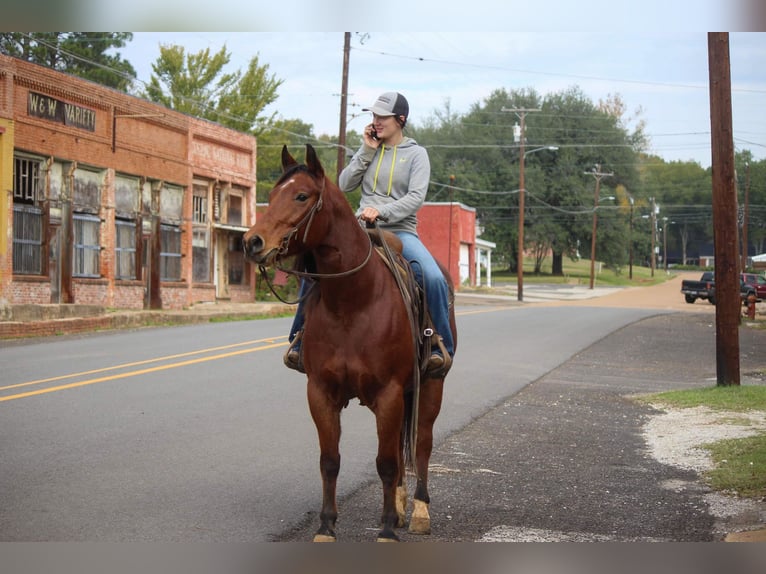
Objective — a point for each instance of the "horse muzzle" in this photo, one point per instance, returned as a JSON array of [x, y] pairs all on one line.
[[256, 251]]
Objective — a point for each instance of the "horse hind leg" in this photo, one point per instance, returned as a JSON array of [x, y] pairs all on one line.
[[429, 407], [401, 504]]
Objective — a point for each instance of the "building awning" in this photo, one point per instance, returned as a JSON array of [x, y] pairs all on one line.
[[225, 227], [486, 244]]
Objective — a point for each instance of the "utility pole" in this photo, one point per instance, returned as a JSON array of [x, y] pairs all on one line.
[[630, 273], [596, 172], [343, 105], [654, 229], [724, 212], [746, 217], [521, 113]]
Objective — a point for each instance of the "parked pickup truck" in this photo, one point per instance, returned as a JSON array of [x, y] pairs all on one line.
[[705, 288], [757, 282]]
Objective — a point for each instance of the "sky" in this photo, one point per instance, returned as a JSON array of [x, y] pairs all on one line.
[[662, 77]]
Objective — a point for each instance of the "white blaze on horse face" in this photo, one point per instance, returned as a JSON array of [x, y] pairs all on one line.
[[286, 183]]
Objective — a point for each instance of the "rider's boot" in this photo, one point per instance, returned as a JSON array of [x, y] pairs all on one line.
[[293, 358]]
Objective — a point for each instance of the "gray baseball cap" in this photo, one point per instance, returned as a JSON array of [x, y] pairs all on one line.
[[390, 104]]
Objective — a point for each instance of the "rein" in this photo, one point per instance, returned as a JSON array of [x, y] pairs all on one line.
[[308, 219], [415, 330]]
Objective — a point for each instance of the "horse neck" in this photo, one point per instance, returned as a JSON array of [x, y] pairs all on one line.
[[344, 247]]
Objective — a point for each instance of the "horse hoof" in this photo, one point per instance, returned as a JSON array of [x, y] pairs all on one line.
[[323, 538], [420, 526], [420, 523], [382, 539]]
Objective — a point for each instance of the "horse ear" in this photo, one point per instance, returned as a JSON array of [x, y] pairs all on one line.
[[312, 162], [287, 159]]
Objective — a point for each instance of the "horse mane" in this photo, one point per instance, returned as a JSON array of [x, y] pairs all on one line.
[[292, 170]]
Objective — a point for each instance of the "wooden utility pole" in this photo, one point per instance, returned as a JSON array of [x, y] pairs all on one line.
[[653, 217], [598, 175], [746, 217], [343, 105], [727, 311], [521, 113]]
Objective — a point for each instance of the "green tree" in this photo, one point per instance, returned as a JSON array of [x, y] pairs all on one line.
[[683, 190], [198, 85], [83, 54], [751, 181]]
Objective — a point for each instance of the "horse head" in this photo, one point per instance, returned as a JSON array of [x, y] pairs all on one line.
[[289, 226]]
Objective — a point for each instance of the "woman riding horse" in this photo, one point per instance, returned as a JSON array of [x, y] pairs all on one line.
[[394, 171]]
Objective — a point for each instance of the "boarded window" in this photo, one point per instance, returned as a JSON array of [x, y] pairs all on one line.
[[171, 203], [27, 240], [87, 249], [234, 216], [236, 261], [170, 252], [125, 249], [127, 192], [87, 191]]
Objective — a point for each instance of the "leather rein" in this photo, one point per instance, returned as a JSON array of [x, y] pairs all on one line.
[[307, 219]]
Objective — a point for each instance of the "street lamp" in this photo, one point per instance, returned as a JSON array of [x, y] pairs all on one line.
[[522, 157]]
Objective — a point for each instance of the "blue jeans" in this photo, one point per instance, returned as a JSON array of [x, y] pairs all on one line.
[[437, 291]]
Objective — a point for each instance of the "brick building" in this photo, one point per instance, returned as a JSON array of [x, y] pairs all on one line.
[[108, 199], [448, 230]]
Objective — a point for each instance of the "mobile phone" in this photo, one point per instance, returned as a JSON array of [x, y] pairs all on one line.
[[374, 134]]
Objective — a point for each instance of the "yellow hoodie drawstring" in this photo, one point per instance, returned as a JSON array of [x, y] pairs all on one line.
[[390, 175]]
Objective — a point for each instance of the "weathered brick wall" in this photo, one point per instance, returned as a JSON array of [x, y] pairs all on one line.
[[92, 292], [128, 295], [241, 294], [175, 295], [31, 290], [129, 136]]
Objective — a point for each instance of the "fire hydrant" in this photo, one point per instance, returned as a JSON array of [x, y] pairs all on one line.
[[751, 306]]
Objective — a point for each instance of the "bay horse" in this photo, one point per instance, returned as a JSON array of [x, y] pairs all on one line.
[[357, 340]]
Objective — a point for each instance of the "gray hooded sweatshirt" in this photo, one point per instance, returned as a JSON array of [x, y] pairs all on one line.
[[394, 181]]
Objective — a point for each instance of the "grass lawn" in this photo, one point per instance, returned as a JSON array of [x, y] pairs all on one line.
[[578, 273]]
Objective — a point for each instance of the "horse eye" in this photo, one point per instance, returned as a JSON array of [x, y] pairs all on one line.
[[301, 197]]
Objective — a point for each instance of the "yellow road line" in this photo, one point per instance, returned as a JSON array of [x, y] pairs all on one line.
[[136, 373], [137, 363]]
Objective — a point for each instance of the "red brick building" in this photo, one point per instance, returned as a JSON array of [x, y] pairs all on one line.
[[109, 199], [448, 230]]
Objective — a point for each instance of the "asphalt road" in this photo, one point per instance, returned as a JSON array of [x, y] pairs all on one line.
[[198, 433]]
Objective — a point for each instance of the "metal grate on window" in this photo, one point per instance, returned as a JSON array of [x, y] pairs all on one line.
[[27, 240], [87, 249], [125, 249], [170, 253]]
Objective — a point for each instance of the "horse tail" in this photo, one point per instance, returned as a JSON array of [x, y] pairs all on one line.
[[409, 430]]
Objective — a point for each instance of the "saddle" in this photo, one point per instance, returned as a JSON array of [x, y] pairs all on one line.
[[389, 247]]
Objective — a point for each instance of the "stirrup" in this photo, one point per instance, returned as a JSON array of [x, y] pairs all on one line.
[[439, 363], [293, 358]]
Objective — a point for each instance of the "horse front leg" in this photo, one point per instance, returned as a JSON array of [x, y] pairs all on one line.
[[430, 404], [326, 417], [388, 414]]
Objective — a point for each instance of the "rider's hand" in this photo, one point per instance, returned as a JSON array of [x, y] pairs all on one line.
[[369, 214], [369, 135]]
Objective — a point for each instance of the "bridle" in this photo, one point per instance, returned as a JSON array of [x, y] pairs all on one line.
[[307, 220]]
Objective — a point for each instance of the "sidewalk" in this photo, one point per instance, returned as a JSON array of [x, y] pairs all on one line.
[[23, 321]]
